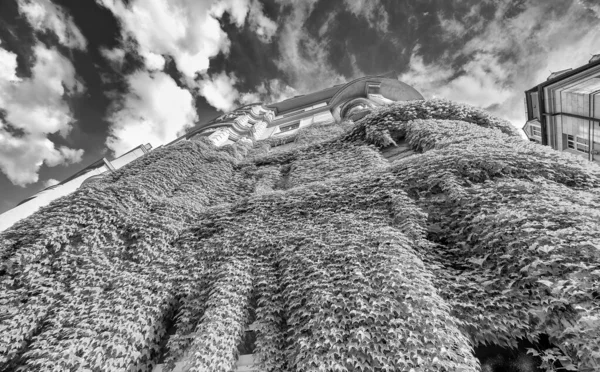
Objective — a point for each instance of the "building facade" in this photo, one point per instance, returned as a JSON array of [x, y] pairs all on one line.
[[247, 123], [564, 111], [345, 101], [333, 255]]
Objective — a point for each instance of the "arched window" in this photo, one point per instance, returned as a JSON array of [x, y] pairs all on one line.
[[355, 106]]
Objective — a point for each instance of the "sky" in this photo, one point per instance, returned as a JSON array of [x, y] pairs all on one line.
[[86, 79]]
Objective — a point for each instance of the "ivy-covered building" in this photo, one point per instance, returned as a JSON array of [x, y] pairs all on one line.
[[79, 179], [253, 122], [370, 236]]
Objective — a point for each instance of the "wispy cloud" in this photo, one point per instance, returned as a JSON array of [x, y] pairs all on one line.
[[508, 54], [43, 15], [372, 10], [51, 182], [33, 108], [262, 25], [304, 60]]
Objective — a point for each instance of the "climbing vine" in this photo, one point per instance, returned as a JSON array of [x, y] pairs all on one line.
[[352, 263]]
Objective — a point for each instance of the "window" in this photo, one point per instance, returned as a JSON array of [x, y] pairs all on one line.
[[247, 345], [570, 142], [288, 128], [582, 145], [578, 143], [373, 88], [536, 131]]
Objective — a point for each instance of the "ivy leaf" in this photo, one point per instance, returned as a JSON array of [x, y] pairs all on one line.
[[478, 261]]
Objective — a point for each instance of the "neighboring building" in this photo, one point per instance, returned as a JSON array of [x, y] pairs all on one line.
[[564, 111], [85, 176]]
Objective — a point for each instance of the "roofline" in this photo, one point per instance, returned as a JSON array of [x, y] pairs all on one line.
[[337, 94], [566, 75], [388, 75]]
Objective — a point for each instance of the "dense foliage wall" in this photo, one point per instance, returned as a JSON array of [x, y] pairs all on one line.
[[347, 262]]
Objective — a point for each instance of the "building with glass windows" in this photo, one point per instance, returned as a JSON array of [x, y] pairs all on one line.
[[564, 111]]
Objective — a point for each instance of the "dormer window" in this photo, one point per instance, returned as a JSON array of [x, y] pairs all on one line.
[[372, 88]]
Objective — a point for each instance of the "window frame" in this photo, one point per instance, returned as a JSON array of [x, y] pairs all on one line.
[[570, 141], [288, 127]]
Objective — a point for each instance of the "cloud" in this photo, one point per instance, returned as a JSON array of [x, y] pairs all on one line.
[[304, 60], [508, 54], [8, 66], [154, 61], [154, 110], [479, 83], [591, 5], [50, 182], [36, 104], [262, 25], [219, 91], [372, 10], [34, 107], [115, 55], [21, 157], [186, 30], [43, 15], [453, 29], [278, 91]]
